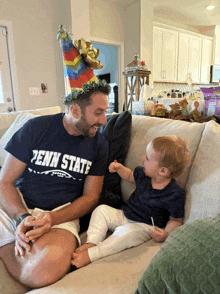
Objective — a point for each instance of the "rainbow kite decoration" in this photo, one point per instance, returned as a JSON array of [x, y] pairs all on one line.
[[79, 60]]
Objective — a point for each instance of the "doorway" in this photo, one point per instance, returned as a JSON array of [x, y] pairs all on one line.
[[108, 56], [111, 56], [7, 98]]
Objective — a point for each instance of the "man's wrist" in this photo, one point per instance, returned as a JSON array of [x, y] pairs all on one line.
[[21, 217]]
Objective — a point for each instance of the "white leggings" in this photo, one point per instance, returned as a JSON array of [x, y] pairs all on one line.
[[126, 233]]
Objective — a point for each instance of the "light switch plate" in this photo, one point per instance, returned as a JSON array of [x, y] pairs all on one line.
[[34, 91]]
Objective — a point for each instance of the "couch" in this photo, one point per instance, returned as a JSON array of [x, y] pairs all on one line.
[[121, 273]]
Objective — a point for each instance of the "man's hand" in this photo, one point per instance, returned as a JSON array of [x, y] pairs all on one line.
[[41, 225], [21, 240], [159, 235]]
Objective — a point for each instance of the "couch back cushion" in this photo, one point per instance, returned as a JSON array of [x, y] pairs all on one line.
[[203, 187], [20, 120], [118, 132], [6, 119], [145, 128]]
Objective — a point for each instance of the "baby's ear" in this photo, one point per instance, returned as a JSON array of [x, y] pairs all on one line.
[[75, 110], [164, 172]]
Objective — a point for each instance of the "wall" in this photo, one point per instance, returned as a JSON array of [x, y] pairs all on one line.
[[80, 19], [38, 55], [103, 25], [131, 27], [177, 25], [216, 59], [105, 20], [146, 34]]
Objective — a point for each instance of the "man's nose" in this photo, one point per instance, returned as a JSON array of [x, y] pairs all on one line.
[[103, 119]]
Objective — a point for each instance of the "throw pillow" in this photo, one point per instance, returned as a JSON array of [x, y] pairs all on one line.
[[20, 120], [118, 132], [202, 198], [188, 261]]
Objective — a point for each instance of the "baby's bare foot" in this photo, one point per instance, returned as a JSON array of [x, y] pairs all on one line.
[[80, 259], [84, 247]]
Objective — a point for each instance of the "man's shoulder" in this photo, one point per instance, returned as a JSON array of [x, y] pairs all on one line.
[[42, 123], [44, 118]]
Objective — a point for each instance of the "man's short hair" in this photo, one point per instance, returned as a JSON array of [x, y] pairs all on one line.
[[83, 98]]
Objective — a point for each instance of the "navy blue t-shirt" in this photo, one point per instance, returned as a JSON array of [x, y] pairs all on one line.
[[146, 202], [57, 163]]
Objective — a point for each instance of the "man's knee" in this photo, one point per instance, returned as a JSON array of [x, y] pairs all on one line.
[[49, 261], [46, 268]]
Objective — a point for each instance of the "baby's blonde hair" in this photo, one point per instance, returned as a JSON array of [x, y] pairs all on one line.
[[173, 153]]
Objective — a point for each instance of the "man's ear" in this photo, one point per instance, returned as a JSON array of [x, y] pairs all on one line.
[[164, 172], [75, 110]]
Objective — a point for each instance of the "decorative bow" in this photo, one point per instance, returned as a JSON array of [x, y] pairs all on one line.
[[89, 53]]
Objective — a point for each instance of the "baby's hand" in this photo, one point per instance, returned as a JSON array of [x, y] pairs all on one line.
[[114, 166], [159, 235]]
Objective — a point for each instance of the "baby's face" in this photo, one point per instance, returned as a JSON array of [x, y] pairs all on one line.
[[150, 161]]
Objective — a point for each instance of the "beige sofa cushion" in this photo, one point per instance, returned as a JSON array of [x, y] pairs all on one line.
[[145, 128], [203, 187], [6, 119], [114, 274], [118, 273]]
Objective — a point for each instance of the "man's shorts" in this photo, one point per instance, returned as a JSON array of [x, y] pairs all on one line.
[[8, 226]]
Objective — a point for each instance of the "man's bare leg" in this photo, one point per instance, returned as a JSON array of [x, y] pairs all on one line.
[[48, 261]]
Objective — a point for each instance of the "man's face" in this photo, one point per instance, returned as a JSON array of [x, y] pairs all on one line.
[[94, 115]]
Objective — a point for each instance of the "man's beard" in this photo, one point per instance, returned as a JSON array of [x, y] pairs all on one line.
[[85, 128]]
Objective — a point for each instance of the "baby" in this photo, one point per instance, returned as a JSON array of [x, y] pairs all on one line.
[[157, 197]]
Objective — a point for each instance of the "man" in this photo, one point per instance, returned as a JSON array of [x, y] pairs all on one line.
[[58, 163]]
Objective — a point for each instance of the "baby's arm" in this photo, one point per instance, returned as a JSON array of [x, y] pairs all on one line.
[[160, 235], [124, 172]]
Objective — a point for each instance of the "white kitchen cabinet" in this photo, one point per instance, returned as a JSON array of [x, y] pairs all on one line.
[[183, 58], [157, 54], [189, 58], [206, 60], [165, 45], [195, 54], [178, 54]]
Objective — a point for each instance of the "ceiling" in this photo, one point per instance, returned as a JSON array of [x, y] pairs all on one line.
[[187, 12]]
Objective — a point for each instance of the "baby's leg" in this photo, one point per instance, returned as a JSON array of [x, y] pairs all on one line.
[[126, 236], [81, 259], [84, 247], [104, 218]]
